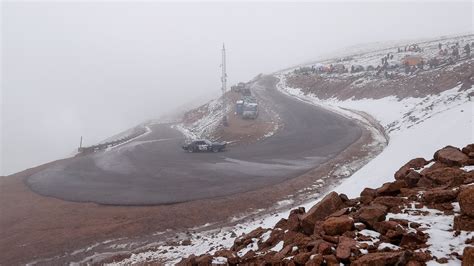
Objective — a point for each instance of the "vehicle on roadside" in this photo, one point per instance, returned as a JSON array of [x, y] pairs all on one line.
[[204, 146], [250, 111]]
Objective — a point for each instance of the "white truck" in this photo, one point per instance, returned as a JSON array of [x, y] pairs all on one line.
[[250, 110]]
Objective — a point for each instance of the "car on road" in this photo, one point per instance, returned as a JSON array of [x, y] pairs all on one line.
[[204, 146]]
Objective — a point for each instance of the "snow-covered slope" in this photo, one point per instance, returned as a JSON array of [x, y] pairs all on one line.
[[416, 128]]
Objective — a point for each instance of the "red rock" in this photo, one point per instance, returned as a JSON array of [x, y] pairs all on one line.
[[331, 239], [372, 214], [191, 260], [315, 260], [421, 256], [390, 201], [445, 175], [391, 188], [393, 236], [468, 256], [343, 251], [469, 150], [360, 226], [296, 239], [331, 260], [433, 167], [381, 259], [414, 263], [339, 212], [282, 224], [302, 258], [338, 225], [243, 241], [275, 237], [286, 249], [383, 226], [442, 260], [413, 240], [425, 182], [412, 178], [328, 205], [343, 197], [325, 248], [293, 223], [205, 259], [470, 161], [367, 195], [402, 222], [440, 196], [463, 222], [466, 200], [231, 256], [451, 156], [416, 163]]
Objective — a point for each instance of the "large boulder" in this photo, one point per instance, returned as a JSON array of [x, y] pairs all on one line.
[[463, 222], [469, 150], [391, 188], [466, 201], [440, 195], [468, 256], [390, 201], [381, 259], [446, 175], [414, 240], [433, 167], [383, 226], [328, 205], [451, 156], [293, 222], [372, 214], [338, 225], [416, 163]]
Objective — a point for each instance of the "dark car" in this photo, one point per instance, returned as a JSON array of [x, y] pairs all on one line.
[[204, 145]]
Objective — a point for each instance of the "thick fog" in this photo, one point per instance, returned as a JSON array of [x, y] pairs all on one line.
[[95, 69]]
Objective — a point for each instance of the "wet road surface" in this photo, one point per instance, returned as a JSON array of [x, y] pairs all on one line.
[[153, 169]]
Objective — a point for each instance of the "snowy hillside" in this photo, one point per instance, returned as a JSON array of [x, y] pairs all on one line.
[[416, 127]]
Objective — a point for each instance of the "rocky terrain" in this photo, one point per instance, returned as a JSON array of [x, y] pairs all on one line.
[[377, 81], [425, 215]]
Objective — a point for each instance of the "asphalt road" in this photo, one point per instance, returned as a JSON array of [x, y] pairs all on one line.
[[153, 169]]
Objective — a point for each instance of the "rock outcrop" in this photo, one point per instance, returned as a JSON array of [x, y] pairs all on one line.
[[384, 226]]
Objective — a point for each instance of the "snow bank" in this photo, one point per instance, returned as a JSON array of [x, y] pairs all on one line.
[[417, 127], [207, 124]]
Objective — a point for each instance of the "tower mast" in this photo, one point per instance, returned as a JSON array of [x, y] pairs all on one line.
[[224, 85]]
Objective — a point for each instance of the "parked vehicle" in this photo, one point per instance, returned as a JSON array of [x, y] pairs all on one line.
[[250, 110], [204, 146], [239, 107]]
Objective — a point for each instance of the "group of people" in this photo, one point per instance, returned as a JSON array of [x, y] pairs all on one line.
[[455, 50], [386, 58]]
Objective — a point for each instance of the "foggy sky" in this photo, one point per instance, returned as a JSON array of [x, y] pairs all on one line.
[[95, 69]]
